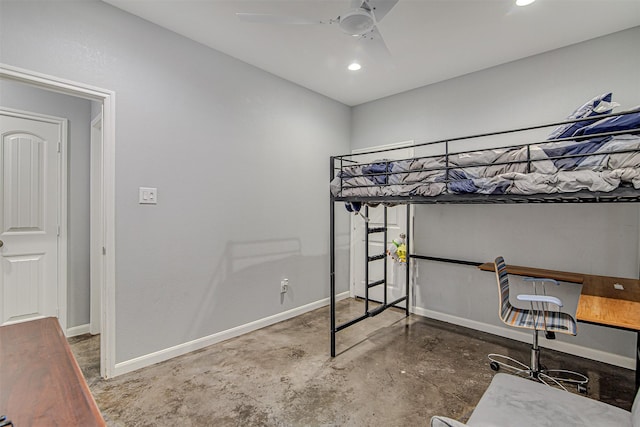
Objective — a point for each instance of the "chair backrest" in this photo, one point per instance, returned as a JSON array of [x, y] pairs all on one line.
[[503, 286], [538, 318]]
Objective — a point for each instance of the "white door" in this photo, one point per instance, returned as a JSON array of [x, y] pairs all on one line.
[[396, 224], [29, 216]]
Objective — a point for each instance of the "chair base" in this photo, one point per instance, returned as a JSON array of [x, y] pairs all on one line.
[[551, 377]]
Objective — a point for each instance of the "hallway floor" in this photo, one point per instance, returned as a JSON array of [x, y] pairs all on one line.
[[390, 371]]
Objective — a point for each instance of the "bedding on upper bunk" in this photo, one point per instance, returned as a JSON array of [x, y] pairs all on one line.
[[588, 162]]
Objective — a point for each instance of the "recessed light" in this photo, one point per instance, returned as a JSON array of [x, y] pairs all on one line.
[[524, 2], [354, 66]]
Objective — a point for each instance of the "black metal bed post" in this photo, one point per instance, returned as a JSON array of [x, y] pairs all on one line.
[[384, 251], [637, 360], [366, 262], [332, 262], [408, 272], [446, 165]]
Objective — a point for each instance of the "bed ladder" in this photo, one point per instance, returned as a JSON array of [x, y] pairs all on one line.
[[373, 258], [368, 285], [384, 304]]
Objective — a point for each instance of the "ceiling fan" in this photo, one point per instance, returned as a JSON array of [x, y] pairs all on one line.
[[360, 21]]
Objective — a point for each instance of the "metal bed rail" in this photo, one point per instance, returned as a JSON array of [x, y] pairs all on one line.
[[495, 133]]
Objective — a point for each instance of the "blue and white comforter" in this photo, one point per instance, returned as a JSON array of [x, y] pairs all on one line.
[[600, 164]]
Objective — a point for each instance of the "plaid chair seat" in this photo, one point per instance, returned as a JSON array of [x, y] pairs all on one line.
[[555, 321]]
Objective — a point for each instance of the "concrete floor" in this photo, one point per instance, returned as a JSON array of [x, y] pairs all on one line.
[[390, 371]]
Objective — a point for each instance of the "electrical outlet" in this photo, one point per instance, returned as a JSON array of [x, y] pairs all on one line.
[[284, 286]]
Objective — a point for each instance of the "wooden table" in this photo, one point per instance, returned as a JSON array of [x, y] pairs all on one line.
[[40, 381], [600, 303]]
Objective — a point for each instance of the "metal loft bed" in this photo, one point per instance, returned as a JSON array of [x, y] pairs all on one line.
[[458, 177]]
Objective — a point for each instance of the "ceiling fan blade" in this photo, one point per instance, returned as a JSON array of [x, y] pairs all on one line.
[[374, 47], [381, 7], [266, 18]]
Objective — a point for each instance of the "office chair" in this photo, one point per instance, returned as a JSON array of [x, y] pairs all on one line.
[[538, 317]]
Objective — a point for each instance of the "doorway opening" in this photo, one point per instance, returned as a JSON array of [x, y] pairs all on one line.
[[102, 211]]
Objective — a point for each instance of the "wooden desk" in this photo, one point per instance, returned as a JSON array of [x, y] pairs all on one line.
[[517, 270], [40, 381], [600, 302]]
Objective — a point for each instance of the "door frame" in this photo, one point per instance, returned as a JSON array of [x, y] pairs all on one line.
[[352, 245], [96, 279], [61, 209], [107, 98]]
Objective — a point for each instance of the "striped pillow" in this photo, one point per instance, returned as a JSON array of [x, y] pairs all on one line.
[[599, 105]]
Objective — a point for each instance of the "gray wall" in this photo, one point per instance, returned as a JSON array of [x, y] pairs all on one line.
[[599, 239], [239, 157], [77, 111]]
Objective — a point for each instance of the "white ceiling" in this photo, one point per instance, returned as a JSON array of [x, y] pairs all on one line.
[[430, 40]]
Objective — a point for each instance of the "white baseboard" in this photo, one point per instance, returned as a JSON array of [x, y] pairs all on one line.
[[78, 330], [180, 349], [589, 353]]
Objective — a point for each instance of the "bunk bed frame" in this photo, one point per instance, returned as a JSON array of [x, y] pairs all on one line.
[[622, 194]]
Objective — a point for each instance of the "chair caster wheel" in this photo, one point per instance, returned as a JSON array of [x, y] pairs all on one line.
[[494, 366], [582, 389]]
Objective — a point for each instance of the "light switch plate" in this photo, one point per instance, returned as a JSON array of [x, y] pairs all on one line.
[[148, 196]]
